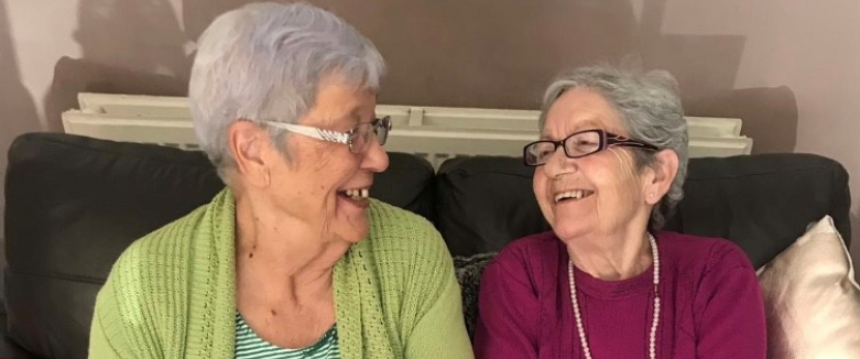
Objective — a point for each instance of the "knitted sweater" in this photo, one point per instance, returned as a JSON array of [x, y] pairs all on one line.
[[172, 294], [711, 305]]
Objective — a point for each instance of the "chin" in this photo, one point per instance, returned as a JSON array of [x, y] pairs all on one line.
[[353, 230], [350, 223], [570, 229], [357, 236]]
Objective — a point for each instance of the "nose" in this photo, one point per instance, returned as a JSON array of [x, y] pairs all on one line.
[[558, 163], [375, 159]]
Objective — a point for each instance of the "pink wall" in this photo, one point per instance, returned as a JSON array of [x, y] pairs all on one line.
[[791, 70], [811, 48]]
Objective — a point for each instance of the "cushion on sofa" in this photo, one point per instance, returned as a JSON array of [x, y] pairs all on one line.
[[811, 299], [469, 271], [760, 202], [73, 204]]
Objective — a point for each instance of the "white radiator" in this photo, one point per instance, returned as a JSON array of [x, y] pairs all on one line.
[[437, 133]]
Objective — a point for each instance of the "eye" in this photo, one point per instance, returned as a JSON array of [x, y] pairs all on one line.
[[542, 151]]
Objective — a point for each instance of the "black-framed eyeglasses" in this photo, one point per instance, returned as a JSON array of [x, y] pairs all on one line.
[[580, 144], [357, 139]]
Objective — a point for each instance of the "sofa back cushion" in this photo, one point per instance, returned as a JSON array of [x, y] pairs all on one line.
[[761, 202], [482, 203], [73, 204]]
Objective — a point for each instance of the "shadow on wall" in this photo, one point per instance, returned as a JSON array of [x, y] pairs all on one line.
[[452, 53], [19, 110], [445, 53], [456, 53], [770, 115], [706, 67], [19, 113], [127, 47], [198, 14]]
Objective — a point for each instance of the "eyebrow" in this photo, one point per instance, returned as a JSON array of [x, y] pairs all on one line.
[[587, 124], [353, 116]]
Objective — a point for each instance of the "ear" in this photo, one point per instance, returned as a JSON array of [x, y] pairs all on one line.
[[248, 142], [663, 173]]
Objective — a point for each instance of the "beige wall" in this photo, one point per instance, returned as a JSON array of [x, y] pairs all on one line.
[[789, 69]]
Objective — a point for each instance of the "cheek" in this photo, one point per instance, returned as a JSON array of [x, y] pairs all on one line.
[[308, 184], [327, 171], [539, 185], [619, 182], [318, 180]]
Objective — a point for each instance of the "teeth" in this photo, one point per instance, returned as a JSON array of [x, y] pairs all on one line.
[[360, 193], [575, 194]]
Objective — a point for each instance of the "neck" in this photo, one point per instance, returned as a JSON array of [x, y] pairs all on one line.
[[283, 258], [615, 256]]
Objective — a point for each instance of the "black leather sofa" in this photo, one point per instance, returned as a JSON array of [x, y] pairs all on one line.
[[73, 204]]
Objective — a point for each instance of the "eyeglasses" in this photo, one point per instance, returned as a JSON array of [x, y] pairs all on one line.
[[357, 139], [578, 145]]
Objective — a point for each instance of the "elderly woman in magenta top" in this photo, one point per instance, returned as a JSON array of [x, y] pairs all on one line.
[[605, 283]]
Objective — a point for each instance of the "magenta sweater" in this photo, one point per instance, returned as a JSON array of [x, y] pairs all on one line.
[[711, 304]]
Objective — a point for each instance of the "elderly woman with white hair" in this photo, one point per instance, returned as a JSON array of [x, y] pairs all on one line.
[[292, 259], [605, 282]]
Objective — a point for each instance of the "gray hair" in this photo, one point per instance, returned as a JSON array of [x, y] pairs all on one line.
[[264, 62], [650, 111]]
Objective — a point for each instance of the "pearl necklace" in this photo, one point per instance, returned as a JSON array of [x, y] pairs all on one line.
[[579, 327]]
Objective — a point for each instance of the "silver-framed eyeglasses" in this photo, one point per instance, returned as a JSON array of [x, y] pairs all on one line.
[[579, 144], [357, 139]]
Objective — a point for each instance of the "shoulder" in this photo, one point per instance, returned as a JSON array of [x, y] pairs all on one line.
[[396, 229], [406, 259], [387, 220], [709, 267], [532, 248], [526, 259], [706, 253], [153, 268], [399, 240], [722, 281], [161, 249], [148, 279]]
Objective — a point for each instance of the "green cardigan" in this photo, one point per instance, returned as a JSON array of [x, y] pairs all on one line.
[[172, 294]]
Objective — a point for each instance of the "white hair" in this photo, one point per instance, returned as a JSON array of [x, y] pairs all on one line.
[[264, 62], [650, 110]]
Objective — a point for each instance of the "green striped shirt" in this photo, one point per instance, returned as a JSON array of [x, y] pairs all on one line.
[[249, 345]]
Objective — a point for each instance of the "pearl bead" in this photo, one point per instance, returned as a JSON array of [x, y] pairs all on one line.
[[652, 338]]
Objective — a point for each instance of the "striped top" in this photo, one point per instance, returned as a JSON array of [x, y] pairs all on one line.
[[249, 345]]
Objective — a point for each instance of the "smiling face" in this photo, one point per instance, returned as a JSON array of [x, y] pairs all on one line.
[[599, 194], [324, 185]]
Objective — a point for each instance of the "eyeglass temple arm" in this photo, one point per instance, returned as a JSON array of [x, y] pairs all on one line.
[[633, 143], [320, 134]]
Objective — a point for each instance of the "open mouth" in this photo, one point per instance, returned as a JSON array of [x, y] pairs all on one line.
[[357, 195], [573, 195]]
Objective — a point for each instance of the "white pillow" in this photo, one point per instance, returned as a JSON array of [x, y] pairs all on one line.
[[812, 301]]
